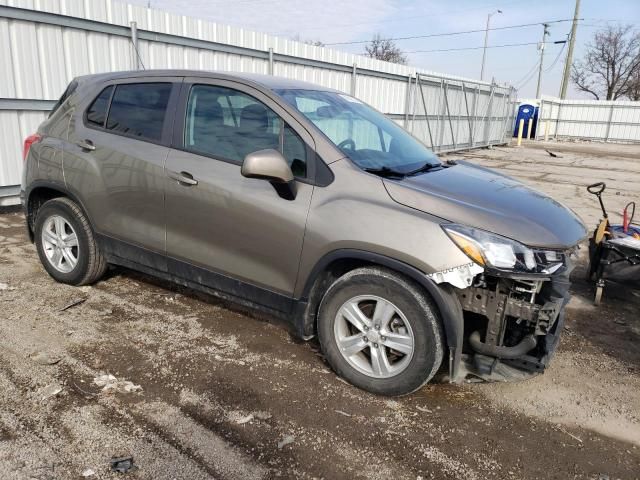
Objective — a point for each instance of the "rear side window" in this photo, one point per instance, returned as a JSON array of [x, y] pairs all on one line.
[[138, 110], [97, 112]]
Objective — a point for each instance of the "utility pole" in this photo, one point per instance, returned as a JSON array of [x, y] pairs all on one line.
[[569, 59], [486, 38], [544, 36]]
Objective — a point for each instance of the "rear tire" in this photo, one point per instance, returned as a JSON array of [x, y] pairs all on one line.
[[380, 331], [66, 244]]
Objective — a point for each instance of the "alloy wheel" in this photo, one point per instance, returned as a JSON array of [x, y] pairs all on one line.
[[60, 244], [374, 336]]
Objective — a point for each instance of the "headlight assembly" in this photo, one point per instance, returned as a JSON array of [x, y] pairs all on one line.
[[501, 253]]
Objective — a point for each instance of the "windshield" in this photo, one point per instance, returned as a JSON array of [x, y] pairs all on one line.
[[363, 134]]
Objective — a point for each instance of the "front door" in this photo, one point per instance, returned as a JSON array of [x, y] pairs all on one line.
[[226, 226]]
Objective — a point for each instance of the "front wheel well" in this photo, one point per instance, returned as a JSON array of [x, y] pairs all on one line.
[[338, 263], [320, 283]]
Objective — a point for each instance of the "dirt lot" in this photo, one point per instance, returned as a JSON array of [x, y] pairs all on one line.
[[221, 388]]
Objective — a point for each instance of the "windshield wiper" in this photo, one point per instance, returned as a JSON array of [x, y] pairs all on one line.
[[424, 168], [386, 172]]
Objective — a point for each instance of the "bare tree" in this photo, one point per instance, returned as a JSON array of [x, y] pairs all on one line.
[[385, 49], [633, 89], [612, 60]]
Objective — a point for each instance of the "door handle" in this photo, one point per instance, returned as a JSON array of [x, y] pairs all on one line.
[[86, 145], [184, 178]]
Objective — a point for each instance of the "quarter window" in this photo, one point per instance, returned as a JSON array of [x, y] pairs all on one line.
[[138, 110], [67, 93], [228, 124], [97, 112]]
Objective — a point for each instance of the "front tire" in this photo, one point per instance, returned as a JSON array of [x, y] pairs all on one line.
[[66, 244], [380, 331]]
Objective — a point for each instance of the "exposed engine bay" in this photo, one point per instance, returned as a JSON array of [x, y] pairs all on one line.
[[512, 322]]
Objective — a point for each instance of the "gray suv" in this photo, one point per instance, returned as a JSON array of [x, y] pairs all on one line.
[[308, 204]]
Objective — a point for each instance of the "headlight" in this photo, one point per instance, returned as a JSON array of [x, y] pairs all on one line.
[[501, 253]]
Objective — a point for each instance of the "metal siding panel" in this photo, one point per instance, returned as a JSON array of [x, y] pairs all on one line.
[[191, 58], [73, 8], [15, 127], [29, 4], [97, 10], [10, 149], [208, 31], [53, 6], [120, 53], [175, 56], [7, 73], [52, 61], [206, 60], [76, 52], [157, 22], [99, 56], [24, 50], [117, 13], [138, 14], [158, 56]]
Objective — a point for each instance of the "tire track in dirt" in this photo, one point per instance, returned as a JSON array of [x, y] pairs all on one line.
[[220, 457]]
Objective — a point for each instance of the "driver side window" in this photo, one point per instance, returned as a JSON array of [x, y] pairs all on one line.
[[228, 124]]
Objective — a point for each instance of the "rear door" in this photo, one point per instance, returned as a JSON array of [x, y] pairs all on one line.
[[114, 160], [226, 227]]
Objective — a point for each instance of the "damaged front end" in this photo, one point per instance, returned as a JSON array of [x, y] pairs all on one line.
[[511, 320], [512, 325]]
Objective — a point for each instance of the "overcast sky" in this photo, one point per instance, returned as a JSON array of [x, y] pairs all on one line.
[[352, 20]]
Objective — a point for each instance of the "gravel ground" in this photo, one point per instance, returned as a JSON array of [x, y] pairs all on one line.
[[228, 394]]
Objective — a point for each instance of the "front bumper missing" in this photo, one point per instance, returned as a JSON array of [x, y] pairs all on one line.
[[496, 306], [512, 334]]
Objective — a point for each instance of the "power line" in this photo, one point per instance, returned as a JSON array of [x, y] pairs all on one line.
[[473, 48], [447, 34], [553, 64], [527, 76]]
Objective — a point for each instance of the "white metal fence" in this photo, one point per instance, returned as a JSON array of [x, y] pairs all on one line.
[[45, 43], [454, 114], [609, 121]]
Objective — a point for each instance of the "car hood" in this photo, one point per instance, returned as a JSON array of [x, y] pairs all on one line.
[[482, 198]]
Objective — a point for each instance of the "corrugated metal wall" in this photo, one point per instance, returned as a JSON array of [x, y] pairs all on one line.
[[609, 121], [45, 43]]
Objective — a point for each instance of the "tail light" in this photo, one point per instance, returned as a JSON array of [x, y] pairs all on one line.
[[30, 140]]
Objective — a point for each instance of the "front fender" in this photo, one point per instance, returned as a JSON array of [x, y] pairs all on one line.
[[449, 308]]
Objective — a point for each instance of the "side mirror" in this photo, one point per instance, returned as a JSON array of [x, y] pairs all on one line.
[[270, 165]]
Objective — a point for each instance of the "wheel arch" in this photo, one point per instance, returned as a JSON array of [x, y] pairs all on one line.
[[41, 192], [338, 262]]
